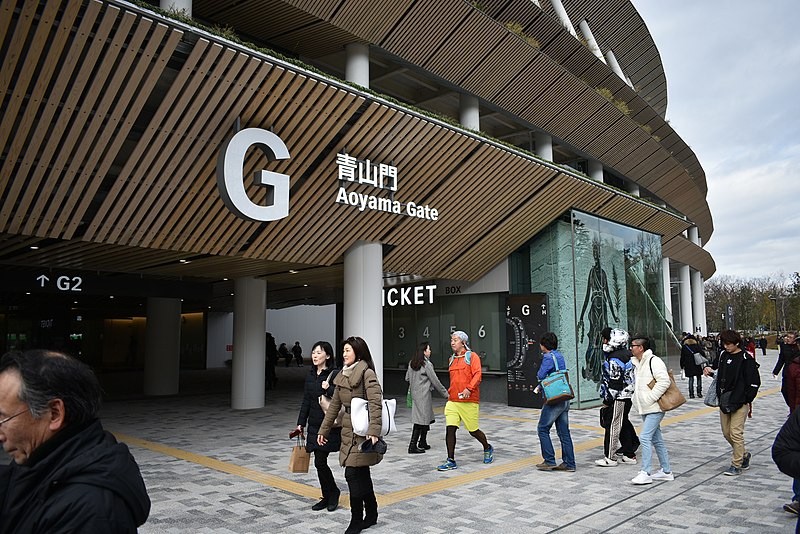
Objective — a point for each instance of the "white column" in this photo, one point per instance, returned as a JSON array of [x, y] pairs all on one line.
[[590, 40], [362, 313], [612, 62], [561, 13], [697, 302], [357, 68], [693, 235], [544, 146], [687, 324], [177, 6], [162, 346], [633, 188], [595, 170], [667, 290], [703, 322], [470, 112], [249, 343]]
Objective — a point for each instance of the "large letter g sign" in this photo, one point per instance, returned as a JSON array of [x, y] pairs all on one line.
[[230, 176]]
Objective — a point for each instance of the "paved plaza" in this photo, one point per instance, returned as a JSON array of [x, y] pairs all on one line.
[[209, 468]]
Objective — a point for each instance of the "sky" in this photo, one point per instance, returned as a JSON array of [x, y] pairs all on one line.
[[733, 88]]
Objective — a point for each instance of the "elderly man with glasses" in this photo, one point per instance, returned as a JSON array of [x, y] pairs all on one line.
[[67, 473]]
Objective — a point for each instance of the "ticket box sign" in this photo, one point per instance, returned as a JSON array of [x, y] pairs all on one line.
[[408, 295]]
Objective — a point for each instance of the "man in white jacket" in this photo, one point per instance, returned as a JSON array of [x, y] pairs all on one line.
[[650, 367]]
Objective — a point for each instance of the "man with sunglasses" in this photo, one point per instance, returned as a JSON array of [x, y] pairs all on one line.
[[67, 473]]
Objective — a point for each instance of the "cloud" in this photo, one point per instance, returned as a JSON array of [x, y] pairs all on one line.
[[732, 79]]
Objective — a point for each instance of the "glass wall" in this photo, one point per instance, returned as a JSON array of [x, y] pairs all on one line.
[[596, 273], [480, 316]]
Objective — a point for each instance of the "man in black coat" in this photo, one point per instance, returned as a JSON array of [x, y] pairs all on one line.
[[67, 473], [786, 455], [788, 351]]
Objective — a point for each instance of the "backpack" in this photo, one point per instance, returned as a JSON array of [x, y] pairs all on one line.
[[467, 358]]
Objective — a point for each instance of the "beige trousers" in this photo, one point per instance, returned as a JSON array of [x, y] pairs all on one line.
[[733, 430]]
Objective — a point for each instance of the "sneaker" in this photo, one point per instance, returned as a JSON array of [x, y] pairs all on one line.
[[544, 466], [606, 462], [792, 507], [564, 467], [627, 459], [449, 465], [642, 478], [746, 461], [488, 455], [732, 471], [661, 475]]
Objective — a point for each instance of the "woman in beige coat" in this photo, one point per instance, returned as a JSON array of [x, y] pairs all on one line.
[[357, 379], [650, 367]]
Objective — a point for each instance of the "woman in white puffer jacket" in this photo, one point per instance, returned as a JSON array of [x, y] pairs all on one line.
[[645, 400]]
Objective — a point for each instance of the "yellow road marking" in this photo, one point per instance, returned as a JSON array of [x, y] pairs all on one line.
[[305, 490]]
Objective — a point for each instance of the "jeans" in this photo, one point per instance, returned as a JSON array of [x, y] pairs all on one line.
[[699, 385], [796, 489], [558, 414], [651, 437]]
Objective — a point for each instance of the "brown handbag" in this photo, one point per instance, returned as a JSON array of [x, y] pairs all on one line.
[[672, 397], [324, 402]]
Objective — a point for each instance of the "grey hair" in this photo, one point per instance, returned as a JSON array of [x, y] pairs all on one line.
[[463, 336]]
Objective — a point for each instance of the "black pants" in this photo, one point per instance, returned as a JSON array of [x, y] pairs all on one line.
[[362, 494], [326, 481], [628, 439]]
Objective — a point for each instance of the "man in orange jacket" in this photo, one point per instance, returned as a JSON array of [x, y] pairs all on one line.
[[464, 399]]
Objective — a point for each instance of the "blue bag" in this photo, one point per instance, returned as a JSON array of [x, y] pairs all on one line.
[[556, 385]]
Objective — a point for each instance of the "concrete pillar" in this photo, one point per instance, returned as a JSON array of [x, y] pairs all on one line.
[[561, 13], [470, 115], [703, 318], [633, 188], [667, 290], [595, 170], [177, 6], [357, 68], [698, 300], [611, 61], [363, 306], [693, 235], [590, 40], [544, 146], [162, 346], [249, 343], [687, 324]]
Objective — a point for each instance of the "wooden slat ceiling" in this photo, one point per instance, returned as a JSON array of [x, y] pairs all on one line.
[[426, 32], [118, 171]]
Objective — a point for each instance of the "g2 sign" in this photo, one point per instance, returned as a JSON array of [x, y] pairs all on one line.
[[230, 176]]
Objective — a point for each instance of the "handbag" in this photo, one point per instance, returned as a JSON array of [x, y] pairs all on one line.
[[672, 397], [324, 403], [556, 385], [711, 394], [359, 416], [300, 458], [699, 359]]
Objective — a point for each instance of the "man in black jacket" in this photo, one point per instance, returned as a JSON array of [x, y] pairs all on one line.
[[67, 473], [786, 455], [788, 351]]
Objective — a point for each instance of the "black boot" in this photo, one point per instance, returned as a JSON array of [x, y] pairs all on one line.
[[321, 505], [356, 516], [333, 501], [423, 438], [412, 447], [370, 511]]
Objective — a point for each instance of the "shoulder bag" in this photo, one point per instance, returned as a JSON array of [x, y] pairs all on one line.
[[672, 397], [711, 394], [325, 402], [359, 414], [556, 385]]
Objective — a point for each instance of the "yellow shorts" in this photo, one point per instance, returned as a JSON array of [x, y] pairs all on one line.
[[455, 412]]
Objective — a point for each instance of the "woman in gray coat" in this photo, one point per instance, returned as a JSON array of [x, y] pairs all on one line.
[[422, 379]]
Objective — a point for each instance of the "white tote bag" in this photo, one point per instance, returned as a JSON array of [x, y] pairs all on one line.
[[359, 416]]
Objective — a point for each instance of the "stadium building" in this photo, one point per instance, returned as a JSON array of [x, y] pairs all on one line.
[[179, 177]]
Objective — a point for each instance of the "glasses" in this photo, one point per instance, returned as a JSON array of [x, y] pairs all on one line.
[[7, 419]]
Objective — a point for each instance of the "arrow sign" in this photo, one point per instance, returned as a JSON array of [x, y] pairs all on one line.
[[42, 279]]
